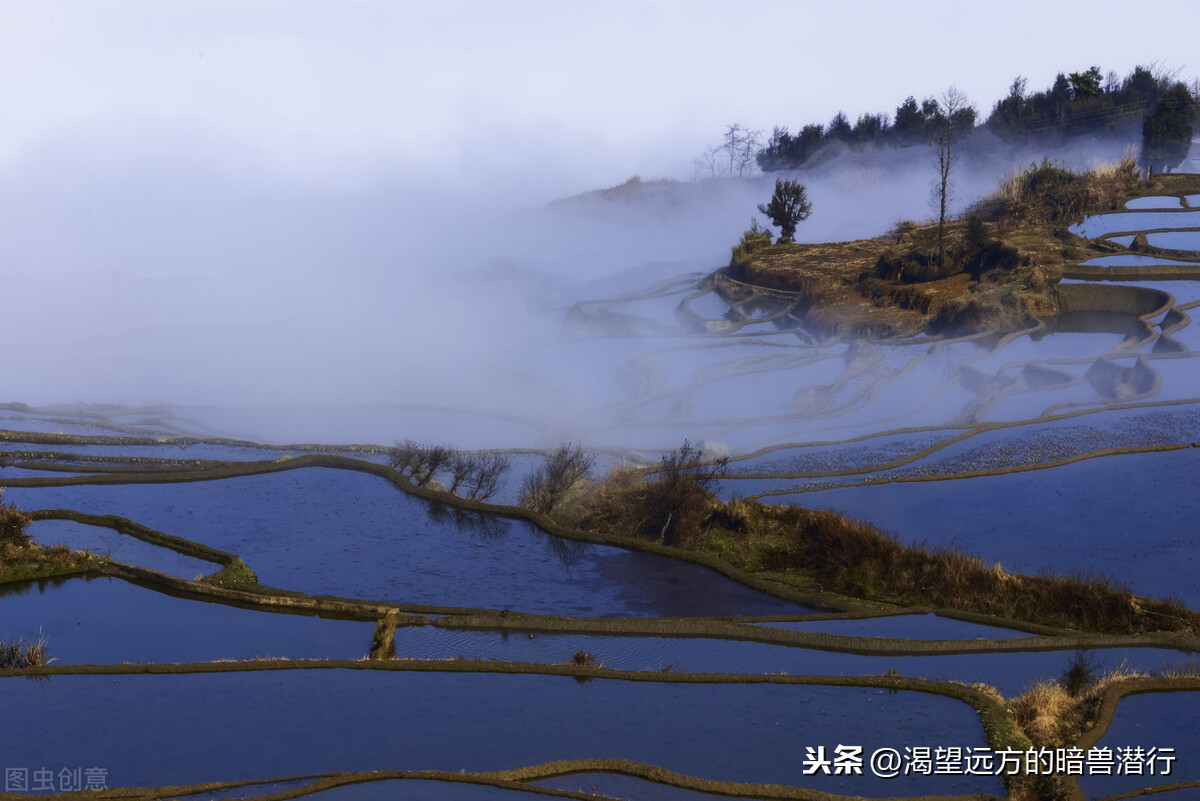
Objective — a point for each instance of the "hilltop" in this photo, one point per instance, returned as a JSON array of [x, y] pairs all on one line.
[[1003, 259]]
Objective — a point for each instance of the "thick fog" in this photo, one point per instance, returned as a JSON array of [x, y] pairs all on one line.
[[300, 207], [172, 278]]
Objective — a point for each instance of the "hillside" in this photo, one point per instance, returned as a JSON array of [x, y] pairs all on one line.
[[1002, 263]]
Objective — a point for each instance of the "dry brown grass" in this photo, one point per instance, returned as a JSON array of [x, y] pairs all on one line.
[[13, 523], [27, 562], [674, 508], [1047, 194], [20, 655], [855, 558], [1041, 712]]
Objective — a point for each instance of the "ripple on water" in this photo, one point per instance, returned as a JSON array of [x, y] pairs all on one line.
[[107, 620], [1009, 672], [175, 729], [1131, 517], [1154, 720], [339, 532], [121, 547]]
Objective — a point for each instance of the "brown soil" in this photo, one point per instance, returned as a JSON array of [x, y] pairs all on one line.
[[844, 289]]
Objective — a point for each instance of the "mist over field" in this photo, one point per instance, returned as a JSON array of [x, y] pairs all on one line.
[[171, 277], [230, 205]]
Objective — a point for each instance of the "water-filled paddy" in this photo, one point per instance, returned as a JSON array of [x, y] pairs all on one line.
[[184, 453], [1008, 672], [324, 531], [1151, 720], [1049, 344], [913, 627], [419, 790], [107, 620], [338, 532], [1122, 221], [106, 542], [1131, 260], [1154, 202], [614, 785], [846, 456], [246, 791], [170, 729], [1176, 240], [1131, 517]]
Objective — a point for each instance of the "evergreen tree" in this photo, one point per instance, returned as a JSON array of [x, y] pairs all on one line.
[[789, 206], [1167, 133]]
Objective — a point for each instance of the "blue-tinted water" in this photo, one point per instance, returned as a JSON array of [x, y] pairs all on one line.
[[120, 547], [627, 788], [107, 620], [1151, 720], [1121, 221], [418, 790], [915, 627], [338, 532], [1131, 517], [1131, 260], [1011, 673], [177, 729], [1155, 202], [1176, 240]]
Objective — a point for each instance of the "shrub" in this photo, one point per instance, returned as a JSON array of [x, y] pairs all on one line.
[[1047, 193], [1080, 674], [753, 238], [976, 235], [13, 523], [20, 655], [993, 256], [672, 509], [788, 207], [564, 468]]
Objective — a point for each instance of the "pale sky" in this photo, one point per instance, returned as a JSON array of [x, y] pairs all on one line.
[[567, 94]]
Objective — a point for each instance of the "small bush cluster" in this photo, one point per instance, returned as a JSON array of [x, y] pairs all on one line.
[[13, 523], [857, 558], [753, 238], [548, 485], [1048, 193], [914, 256], [673, 508], [420, 462], [475, 476], [1080, 674], [20, 655]]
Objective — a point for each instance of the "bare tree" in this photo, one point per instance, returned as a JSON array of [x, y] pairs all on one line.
[[461, 468], [751, 142], [420, 462], [950, 108], [734, 137], [545, 487], [479, 476], [485, 479]]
